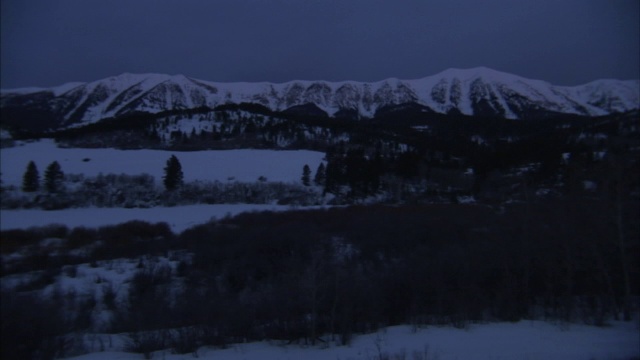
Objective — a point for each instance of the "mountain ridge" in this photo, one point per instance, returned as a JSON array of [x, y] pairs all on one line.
[[477, 91]]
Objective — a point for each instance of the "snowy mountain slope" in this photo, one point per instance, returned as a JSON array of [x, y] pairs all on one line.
[[477, 91]]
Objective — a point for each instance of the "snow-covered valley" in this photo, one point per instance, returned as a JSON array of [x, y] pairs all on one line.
[[348, 279], [227, 168], [243, 165]]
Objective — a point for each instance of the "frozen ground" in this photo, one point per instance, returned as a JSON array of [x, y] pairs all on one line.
[[179, 218], [223, 165], [530, 340]]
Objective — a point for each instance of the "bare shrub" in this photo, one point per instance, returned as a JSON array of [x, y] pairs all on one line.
[[146, 342], [109, 296], [186, 340], [39, 281]]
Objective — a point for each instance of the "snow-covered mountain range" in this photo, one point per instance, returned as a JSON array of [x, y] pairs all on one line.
[[478, 91]]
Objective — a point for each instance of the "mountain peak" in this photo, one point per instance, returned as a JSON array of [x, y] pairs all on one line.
[[498, 94], [480, 72]]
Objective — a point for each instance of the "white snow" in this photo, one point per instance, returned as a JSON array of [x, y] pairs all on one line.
[[534, 340], [421, 127], [478, 140], [279, 96], [59, 90], [466, 199], [599, 155], [242, 165], [224, 166]]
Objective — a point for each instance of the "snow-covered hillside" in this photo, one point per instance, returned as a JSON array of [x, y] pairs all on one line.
[[477, 91]]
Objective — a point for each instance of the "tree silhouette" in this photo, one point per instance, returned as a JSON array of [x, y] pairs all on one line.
[[320, 177], [172, 173], [31, 178], [306, 175], [53, 177]]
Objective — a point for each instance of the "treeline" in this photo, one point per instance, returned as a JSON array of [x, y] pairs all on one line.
[[80, 245], [594, 159], [347, 271], [141, 191], [322, 275], [403, 157], [228, 127], [442, 162]]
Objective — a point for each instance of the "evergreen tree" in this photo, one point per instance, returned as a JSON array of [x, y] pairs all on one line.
[[31, 178], [320, 177], [334, 174], [306, 175], [373, 171], [53, 177], [356, 174], [172, 173]]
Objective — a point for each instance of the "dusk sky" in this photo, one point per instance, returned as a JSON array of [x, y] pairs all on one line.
[[568, 42]]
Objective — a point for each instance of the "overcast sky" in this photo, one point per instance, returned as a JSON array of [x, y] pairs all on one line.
[[566, 42]]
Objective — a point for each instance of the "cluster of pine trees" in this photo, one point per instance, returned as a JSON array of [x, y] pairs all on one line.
[[61, 191], [361, 173], [318, 179], [53, 178]]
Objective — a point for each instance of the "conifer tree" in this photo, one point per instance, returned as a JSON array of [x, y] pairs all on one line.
[[31, 178], [53, 177], [306, 175], [172, 174], [334, 174], [320, 177]]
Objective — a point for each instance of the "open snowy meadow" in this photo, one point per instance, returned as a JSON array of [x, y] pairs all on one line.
[[531, 340], [213, 165], [244, 165]]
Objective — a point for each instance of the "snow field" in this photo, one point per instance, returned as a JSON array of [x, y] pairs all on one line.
[[533, 340], [222, 165]]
